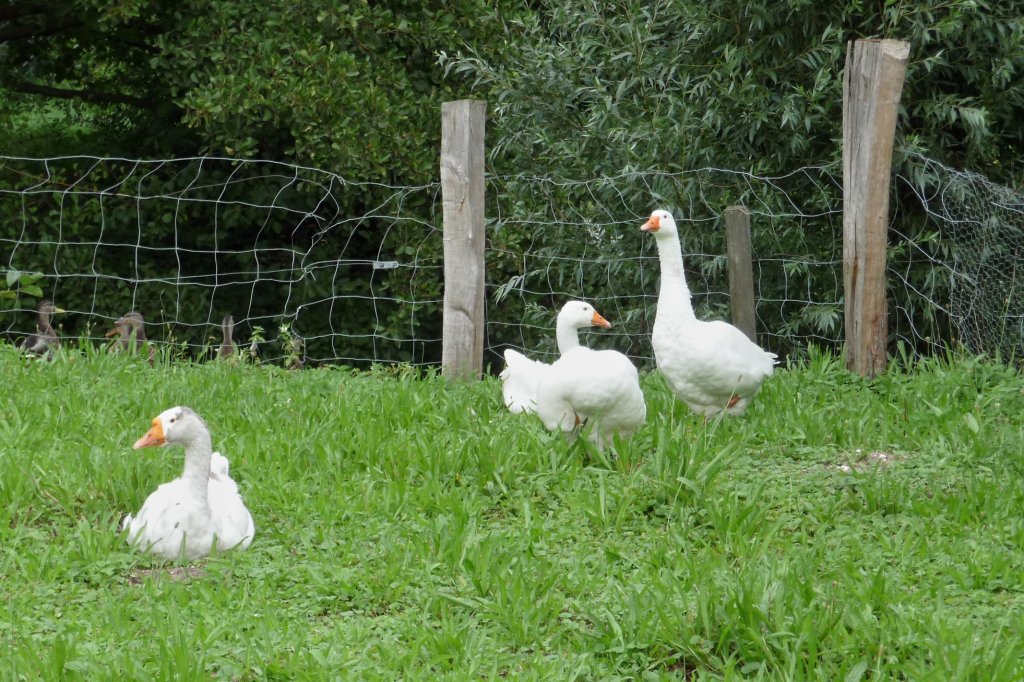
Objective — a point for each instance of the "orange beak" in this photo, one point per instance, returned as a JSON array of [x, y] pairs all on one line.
[[599, 321], [153, 437], [653, 224]]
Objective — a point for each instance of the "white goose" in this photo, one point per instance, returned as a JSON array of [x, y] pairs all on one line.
[[711, 366], [521, 376], [197, 512], [598, 389]]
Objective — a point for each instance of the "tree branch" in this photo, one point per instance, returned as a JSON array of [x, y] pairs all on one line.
[[12, 33], [10, 12], [95, 96]]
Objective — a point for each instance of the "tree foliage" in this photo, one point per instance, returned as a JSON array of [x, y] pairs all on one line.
[[614, 96], [352, 87], [600, 89], [81, 71], [592, 88]]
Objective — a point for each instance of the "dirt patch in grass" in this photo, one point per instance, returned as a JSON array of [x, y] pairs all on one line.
[[861, 462], [176, 573]]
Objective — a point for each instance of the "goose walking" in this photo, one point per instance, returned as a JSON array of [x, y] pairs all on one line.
[[199, 511], [521, 376], [711, 366], [598, 390]]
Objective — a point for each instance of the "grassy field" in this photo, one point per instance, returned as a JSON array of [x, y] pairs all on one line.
[[407, 528]]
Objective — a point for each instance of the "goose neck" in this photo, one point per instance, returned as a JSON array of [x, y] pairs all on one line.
[[198, 455], [674, 292], [567, 337]]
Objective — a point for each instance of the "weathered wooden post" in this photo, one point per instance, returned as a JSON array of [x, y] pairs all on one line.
[[741, 270], [872, 85], [462, 194]]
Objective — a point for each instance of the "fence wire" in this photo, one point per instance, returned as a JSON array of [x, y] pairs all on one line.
[[355, 270]]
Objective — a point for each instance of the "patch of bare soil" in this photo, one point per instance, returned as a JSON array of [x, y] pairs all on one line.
[[861, 462], [175, 573]]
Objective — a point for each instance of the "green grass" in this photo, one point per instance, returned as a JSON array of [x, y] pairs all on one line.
[[408, 528]]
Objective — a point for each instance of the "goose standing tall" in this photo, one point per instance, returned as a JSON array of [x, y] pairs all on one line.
[[197, 512], [711, 366], [598, 390], [227, 346]]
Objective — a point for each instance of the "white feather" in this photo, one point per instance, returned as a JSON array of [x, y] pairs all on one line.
[[519, 381]]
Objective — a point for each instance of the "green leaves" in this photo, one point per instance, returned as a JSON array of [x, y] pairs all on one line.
[[354, 89], [21, 283], [588, 92], [578, 90]]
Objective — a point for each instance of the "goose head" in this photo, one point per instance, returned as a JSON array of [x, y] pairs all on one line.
[[125, 326], [133, 322], [176, 426], [45, 311], [578, 314], [661, 224]]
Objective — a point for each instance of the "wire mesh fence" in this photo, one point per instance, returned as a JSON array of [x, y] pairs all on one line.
[[354, 270], [186, 241]]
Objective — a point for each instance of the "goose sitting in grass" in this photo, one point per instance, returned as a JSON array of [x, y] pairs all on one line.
[[595, 389], [227, 346], [45, 341], [711, 366], [198, 512]]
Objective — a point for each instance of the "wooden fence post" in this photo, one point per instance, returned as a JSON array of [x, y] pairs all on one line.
[[462, 194], [872, 85], [741, 270]]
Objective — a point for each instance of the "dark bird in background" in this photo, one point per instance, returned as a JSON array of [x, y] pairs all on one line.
[[130, 331], [227, 346], [45, 341], [127, 328]]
